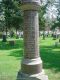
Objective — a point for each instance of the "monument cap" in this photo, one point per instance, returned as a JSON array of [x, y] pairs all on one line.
[[30, 4], [31, 1]]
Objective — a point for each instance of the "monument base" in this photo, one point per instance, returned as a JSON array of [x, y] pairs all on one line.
[[39, 76]]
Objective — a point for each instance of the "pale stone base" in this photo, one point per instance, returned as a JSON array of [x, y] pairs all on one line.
[[39, 76]]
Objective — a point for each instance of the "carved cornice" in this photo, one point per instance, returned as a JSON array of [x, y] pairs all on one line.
[[30, 4]]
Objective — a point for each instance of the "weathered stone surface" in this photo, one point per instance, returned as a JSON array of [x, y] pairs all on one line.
[[36, 2], [31, 34], [39, 76], [31, 66], [30, 4], [25, 1]]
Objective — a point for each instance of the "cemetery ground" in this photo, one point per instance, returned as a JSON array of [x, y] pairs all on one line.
[[11, 56]]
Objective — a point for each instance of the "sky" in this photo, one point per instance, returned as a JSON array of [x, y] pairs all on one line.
[[51, 11], [0, 0]]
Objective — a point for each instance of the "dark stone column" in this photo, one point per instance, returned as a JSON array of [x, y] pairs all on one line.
[[31, 65]]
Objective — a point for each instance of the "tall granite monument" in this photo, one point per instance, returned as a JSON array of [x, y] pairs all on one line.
[[31, 65]]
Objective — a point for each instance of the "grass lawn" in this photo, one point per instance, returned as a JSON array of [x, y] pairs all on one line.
[[10, 59]]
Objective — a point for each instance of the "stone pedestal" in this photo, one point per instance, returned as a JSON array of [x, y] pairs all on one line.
[[38, 76], [31, 65]]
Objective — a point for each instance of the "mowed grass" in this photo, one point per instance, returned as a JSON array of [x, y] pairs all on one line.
[[50, 55], [11, 56], [10, 59]]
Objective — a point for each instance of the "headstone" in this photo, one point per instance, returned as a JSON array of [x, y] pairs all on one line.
[[31, 65], [4, 36], [12, 43]]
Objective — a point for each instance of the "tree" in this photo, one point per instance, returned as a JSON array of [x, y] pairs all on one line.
[[42, 21], [42, 15], [12, 13]]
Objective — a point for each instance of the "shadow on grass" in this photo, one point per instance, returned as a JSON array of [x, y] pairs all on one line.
[[7, 46], [51, 58]]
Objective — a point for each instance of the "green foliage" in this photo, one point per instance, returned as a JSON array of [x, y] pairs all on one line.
[[56, 24], [0, 34], [12, 13], [42, 11]]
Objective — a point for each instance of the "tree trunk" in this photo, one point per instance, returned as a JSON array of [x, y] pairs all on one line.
[[43, 35], [6, 31], [59, 40], [17, 34], [54, 35], [4, 37]]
